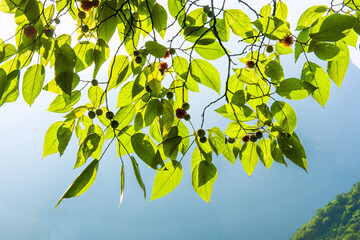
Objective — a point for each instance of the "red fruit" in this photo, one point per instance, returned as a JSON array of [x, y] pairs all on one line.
[[246, 138], [250, 64], [30, 31], [86, 5], [288, 40], [163, 66], [167, 54], [180, 113]]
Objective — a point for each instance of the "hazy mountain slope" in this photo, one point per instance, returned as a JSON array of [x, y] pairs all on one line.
[[339, 219]]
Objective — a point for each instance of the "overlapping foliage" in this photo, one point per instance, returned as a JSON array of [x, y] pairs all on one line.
[[169, 51]]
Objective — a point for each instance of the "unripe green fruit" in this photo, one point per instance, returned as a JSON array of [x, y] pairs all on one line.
[[114, 124], [231, 140], [187, 118], [138, 59], [186, 106], [136, 53], [211, 14], [148, 89], [85, 28], [169, 95], [109, 115], [99, 112], [172, 51], [91, 114], [269, 49], [49, 33], [81, 15], [253, 138], [206, 9], [203, 139], [145, 97], [57, 21], [94, 82], [259, 134], [201, 132]]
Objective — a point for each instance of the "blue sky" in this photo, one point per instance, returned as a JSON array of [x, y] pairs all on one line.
[[269, 205]]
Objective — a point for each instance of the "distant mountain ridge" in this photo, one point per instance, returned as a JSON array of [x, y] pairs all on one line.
[[338, 220]]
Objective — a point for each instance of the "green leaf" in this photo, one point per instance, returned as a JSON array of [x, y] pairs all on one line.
[[314, 74], [281, 10], [184, 133], [9, 6], [216, 139], [159, 18], [11, 91], [203, 177], [272, 27], [153, 110], [303, 37], [240, 97], [171, 146], [274, 70], [205, 73], [295, 89], [107, 19], [337, 69], [239, 22], [125, 95], [326, 51], [33, 82], [259, 94], [181, 66], [332, 27], [51, 142], [249, 157], [236, 130], [211, 51], [76, 112], [138, 175], [145, 148], [82, 182], [222, 29], [85, 55], [122, 183], [282, 49], [236, 113], [125, 115], [245, 75], [155, 49], [276, 152], [87, 147], [101, 54], [139, 122], [124, 139], [177, 9], [166, 179], [228, 153], [3, 82], [284, 115], [119, 71], [293, 150], [96, 96], [263, 149], [64, 73], [64, 134], [167, 119], [264, 114], [310, 16]]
